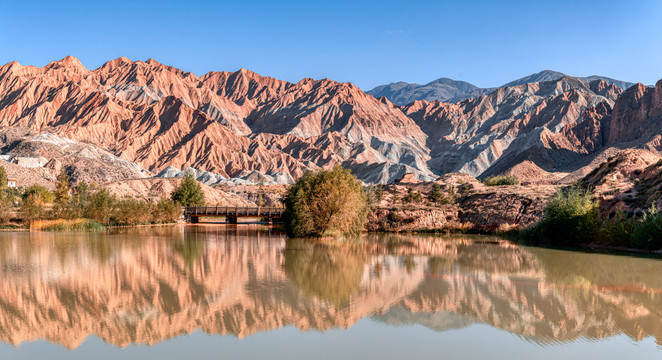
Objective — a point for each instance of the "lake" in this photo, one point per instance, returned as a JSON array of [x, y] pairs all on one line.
[[249, 292]]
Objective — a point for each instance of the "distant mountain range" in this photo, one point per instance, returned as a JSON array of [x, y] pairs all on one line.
[[449, 90], [251, 128]]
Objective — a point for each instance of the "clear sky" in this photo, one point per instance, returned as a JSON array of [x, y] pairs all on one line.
[[369, 43]]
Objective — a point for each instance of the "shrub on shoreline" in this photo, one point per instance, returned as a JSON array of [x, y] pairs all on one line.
[[572, 218], [326, 203]]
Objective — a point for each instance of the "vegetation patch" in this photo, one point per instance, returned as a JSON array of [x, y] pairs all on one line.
[[501, 180], [66, 225], [572, 218], [326, 203]]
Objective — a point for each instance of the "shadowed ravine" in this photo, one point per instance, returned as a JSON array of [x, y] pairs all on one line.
[[148, 285]]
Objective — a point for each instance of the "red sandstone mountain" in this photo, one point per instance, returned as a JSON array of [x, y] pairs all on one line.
[[243, 125]]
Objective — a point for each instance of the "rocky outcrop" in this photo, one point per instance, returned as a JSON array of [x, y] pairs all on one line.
[[538, 122], [83, 162], [629, 182]]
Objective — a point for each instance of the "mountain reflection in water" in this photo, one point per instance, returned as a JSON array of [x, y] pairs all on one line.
[[144, 286]]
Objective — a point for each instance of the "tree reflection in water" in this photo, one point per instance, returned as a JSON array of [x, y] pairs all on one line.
[[331, 272]]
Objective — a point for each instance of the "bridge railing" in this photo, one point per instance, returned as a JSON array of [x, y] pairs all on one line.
[[235, 211]]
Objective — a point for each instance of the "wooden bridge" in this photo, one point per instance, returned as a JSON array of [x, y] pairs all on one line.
[[231, 214]]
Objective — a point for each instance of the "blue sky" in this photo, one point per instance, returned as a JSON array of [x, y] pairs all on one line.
[[369, 43]]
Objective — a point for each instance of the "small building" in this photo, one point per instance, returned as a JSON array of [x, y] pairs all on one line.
[[11, 183]]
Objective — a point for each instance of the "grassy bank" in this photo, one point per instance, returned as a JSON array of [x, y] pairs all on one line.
[[66, 225]]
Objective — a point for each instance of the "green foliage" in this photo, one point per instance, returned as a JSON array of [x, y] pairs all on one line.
[[374, 194], [84, 208], [62, 196], [3, 178], [189, 192], [260, 196], [435, 195], [100, 206], [6, 203], [648, 235], [40, 192], [413, 196], [500, 180], [571, 217], [326, 203], [165, 211], [62, 189], [32, 208], [131, 212]]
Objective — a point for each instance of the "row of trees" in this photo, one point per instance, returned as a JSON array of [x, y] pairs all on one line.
[[95, 203]]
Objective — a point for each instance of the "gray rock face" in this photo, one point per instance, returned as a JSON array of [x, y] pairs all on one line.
[[444, 89], [453, 91]]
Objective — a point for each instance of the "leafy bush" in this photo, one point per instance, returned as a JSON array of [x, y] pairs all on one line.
[[648, 235], [132, 212], [100, 206], [165, 211], [571, 217], [32, 208], [500, 180], [40, 192], [326, 203]]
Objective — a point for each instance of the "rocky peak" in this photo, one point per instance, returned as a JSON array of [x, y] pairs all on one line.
[[69, 62]]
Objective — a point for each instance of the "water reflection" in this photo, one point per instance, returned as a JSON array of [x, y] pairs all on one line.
[[152, 284]]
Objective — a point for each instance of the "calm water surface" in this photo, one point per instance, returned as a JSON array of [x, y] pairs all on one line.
[[212, 292]]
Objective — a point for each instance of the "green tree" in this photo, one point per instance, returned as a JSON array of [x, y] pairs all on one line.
[[326, 203], [39, 191], [260, 196], [62, 189], [413, 196], [32, 208], [452, 195], [571, 217], [101, 206], [436, 196], [189, 192], [62, 197], [3, 178]]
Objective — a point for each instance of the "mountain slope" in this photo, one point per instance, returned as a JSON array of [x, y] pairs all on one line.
[[444, 89], [253, 128], [448, 90], [158, 116]]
